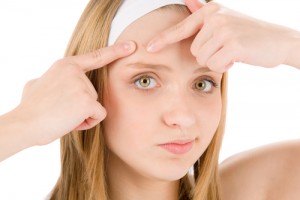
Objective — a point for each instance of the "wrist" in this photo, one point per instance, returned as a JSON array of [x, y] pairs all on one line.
[[17, 125], [14, 135]]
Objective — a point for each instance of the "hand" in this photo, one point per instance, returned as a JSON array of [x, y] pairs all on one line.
[[63, 98], [223, 36]]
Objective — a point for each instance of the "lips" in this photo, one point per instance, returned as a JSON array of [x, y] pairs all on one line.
[[178, 147]]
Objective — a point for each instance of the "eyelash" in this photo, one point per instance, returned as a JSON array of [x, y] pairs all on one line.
[[207, 79]]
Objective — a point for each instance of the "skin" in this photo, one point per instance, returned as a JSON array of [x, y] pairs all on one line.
[[269, 172], [138, 120], [222, 38]]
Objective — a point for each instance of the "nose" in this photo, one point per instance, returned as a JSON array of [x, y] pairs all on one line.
[[179, 114]]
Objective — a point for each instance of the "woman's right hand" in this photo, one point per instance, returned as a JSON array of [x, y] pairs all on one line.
[[64, 99]]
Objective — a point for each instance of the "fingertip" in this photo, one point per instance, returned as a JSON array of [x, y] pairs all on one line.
[[129, 46], [194, 5], [151, 47], [156, 44]]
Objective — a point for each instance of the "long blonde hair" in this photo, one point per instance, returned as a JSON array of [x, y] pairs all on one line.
[[83, 153]]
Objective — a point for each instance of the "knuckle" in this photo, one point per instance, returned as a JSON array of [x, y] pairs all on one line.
[[221, 34], [30, 83], [209, 10], [71, 70], [230, 28], [59, 62], [219, 19], [217, 65], [95, 95], [99, 55], [85, 98], [66, 67], [98, 109], [211, 64], [193, 50], [213, 6], [75, 88], [201, 61], [81, 87], [91, 92], [225, 33], [235, 45]]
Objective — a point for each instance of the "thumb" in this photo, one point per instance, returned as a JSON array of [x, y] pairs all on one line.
[[194, 5]]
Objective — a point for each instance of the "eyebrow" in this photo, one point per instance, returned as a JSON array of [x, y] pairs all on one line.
[[163, 67]]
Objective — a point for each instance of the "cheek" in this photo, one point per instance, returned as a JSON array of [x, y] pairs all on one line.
[[128, 120], [209, 116], [213, 111], [125, 109]]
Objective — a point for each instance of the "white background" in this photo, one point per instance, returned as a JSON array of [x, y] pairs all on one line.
[[263, 104]]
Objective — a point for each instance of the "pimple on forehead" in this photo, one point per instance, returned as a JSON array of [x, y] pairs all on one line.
[[141, 46]]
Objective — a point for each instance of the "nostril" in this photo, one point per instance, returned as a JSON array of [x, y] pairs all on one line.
[[175, 126]]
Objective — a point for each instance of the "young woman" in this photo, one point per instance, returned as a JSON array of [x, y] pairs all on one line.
[[165, 109], [165, 113]]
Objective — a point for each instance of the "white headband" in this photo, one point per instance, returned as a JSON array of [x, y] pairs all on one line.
[[132, 10]]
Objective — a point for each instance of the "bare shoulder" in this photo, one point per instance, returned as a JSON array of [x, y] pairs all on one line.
[[270, 172]]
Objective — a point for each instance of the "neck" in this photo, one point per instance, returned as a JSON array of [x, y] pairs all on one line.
[[126, 184]]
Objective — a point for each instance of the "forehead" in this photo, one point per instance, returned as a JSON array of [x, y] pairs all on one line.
[[148, 26]]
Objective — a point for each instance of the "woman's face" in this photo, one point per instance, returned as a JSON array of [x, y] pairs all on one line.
[[163, 108]]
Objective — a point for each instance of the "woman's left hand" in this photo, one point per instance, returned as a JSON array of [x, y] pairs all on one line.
[[223, 36]]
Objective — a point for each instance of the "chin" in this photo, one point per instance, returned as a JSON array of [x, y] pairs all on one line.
[[171, 170], [170, 174]]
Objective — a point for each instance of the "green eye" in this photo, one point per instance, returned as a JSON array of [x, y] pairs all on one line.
[[204, 85], [200, 85], [144, 82]]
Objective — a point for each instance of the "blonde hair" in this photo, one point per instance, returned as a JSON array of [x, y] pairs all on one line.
[[83, 153]]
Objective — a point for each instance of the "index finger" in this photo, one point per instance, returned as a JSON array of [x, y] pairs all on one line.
[[104, 56], [184, 29]]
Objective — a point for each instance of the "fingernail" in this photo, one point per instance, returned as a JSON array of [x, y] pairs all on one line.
[[151, 47]]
